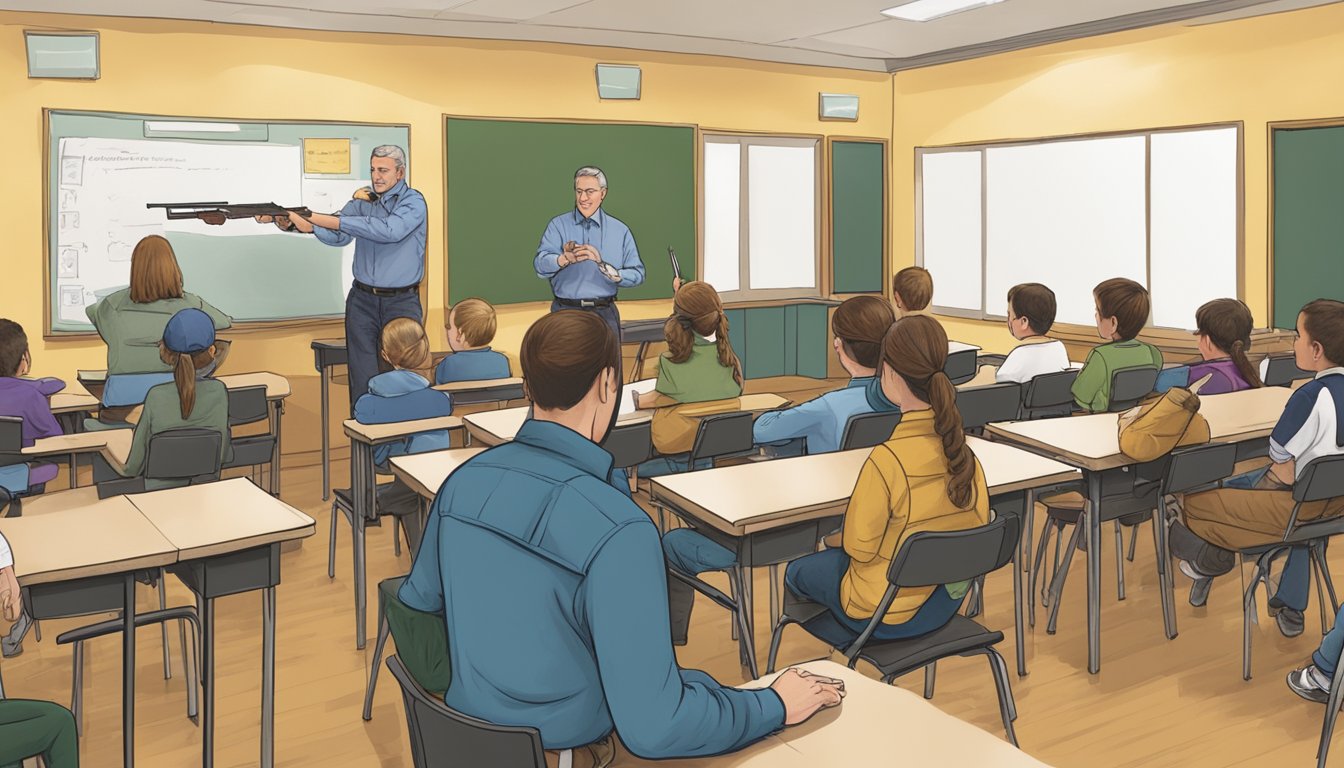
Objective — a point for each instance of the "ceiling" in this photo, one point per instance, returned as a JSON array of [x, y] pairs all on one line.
[[843, 33]]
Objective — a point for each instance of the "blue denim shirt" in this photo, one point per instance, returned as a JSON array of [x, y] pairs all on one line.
[[584, 279], [822, 419], [472, 365], [554, 592], [389, 236], [403, 396]]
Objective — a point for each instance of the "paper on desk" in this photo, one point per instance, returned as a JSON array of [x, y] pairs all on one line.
[[630, 390]]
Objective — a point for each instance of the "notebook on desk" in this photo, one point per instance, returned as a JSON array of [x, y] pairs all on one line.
[[630, 390]]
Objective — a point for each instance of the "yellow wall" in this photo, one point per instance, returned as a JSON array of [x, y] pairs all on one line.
[[1279, 67], [216, 70]]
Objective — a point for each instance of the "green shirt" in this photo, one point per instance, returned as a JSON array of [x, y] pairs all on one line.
[[1092, 388], [700, 378], [133, 331], [163, 411]]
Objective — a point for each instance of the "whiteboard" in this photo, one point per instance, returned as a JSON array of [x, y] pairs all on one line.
[[781, 232], [952, 227]]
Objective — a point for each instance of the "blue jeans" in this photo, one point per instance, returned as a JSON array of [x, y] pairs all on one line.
[[1325, 657], [689, 552], [817, 578], [609, 314], [365, 316]]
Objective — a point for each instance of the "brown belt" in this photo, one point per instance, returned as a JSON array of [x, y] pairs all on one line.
[[599, 754]]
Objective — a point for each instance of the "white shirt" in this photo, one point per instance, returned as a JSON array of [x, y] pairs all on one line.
[[1309, 426], [1032, 359], [6, 554]]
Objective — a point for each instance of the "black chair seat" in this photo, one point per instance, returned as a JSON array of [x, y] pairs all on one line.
[[249, 451], [895, 657]]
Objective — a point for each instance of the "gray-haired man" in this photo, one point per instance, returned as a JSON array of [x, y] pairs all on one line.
[[587, 253], [387, 224]]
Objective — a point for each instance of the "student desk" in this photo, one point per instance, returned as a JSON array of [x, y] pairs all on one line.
[[859, 733], [425, 473], [327, 354], [113, 444], [364, 486], [643, 333], [772, 511], [483, 390], [73, 399], [1091, 443]]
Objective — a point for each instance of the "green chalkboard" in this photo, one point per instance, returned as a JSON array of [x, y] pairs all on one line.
[[857, 222], [507, 179], [1308, 219]]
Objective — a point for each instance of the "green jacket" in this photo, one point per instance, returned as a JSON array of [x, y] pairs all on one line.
[[133, 331], [163, 411], [699, 379], [1092, 388]]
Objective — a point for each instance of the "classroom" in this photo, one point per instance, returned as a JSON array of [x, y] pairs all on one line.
[[934, 361]]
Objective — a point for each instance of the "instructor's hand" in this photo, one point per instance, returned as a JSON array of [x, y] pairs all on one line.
[[587, 252], [804, 693]]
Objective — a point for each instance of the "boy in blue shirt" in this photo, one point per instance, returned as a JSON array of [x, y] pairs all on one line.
[[471, 328], [553, 590], [1254, 510]]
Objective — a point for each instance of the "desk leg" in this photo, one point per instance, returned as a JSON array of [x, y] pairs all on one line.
[[326, 438], [362, 487], [74, 470], [205, 608], [268, 677], [1093, 516], [639, 360], [128, 671]]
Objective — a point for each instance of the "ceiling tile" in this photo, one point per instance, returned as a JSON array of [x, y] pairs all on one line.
[[755, 21], [518, 10]]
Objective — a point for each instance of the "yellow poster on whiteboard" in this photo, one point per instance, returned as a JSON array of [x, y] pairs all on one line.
[[326, 155]]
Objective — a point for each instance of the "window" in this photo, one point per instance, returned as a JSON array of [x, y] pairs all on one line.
[[1160, 208], [760, 212]]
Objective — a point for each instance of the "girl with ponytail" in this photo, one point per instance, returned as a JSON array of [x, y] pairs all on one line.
[[189, 401], [924, 478], [1224, 329]]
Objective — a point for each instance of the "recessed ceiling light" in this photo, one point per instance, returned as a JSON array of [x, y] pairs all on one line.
[[928, 10]]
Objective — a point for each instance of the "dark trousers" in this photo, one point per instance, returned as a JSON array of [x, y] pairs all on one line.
[[31, 728], [365, 316], [609, 314]]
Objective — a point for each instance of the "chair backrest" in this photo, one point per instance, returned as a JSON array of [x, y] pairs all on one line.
[[1048, 395], [1282, 370], [1130, 385], [494, 395], [11, 440], [995, 402], [960, 366], [184, 454], [247, 405], [865, 430], [629, 444], [1322, 479], [946, 557], [1198, 465], [442, 737], [722, 434]]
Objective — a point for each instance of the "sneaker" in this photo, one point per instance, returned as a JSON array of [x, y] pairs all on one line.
[[1199, 589], [1289, 619], [1310, 683]]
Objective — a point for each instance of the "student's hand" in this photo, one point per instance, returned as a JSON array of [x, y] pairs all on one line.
[[677, 282], [587, 252], [9, 605], [264, 219], [299, 223], [804, 693], [644, 400]]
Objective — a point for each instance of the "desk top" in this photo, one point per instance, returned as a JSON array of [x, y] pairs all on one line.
[[74, 535], [114, 444], [859, 732], [425, 473], [328, 343], [73, 399], [374, 434], [746, 498], [1092, 442], [480, 385], [277, 386], [216, 518], [954, 347]]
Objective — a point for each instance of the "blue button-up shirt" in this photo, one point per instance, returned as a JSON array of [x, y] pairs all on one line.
[[389, 236], [822, 419], [584, 279], [554, 590]]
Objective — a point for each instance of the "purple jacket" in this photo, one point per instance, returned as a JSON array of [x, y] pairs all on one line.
[[1226, 377], [27, 399]]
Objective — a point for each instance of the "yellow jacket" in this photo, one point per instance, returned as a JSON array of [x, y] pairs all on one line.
[[901, 490]]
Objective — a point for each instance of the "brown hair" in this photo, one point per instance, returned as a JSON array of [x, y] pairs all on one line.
[[696, 308], [914, 286], [1227, 323], [405, 345], [154, 271], [1126, 301], [916, 348], [1323, 320], [184, 373], [860, 323], [475, 320], [563, 353], [13, 346], [1036, 303]]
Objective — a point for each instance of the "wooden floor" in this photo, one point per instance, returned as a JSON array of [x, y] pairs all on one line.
[[1155, 703]]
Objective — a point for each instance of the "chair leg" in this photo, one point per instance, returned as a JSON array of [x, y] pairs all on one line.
[[930, 673], [1329, 584], [1119, 562], [77, 689], [396, 536], [1165, 580], [775, 636], [744, 628], [331, 548], [1059, 538], [383, 631], [1057, 583], [191, 663], [774, 594], [1249, 612], [1134, 540], [37, 631], [1004, 687], [1019, 634], [1315, 558], [1035, 574], [163, 627]]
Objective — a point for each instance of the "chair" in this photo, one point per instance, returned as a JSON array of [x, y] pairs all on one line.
[[248, 405], [11, 455], [629, 444], [981, 405], [435, 673], [1048, 396], [1282, 371], [1320, 480], [445, 738], [1130, 385], [926, 558], [494, 395], [960, 366], [866, 430]]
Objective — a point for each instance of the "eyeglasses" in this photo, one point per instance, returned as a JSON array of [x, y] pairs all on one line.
[[587, 192]]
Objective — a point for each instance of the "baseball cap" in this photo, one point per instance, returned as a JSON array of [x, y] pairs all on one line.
[[189, 331]]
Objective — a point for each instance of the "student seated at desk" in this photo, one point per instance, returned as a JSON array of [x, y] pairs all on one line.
[[1122, 311], [1254, 509], [552, 586], [188, 401], [924, 478], [27, 399], [31, 728], [912, 291], [1031, 314], [1224, 330], [471, 328]]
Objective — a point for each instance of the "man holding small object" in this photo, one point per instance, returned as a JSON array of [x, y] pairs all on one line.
[[388, 226], [588, 254]]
